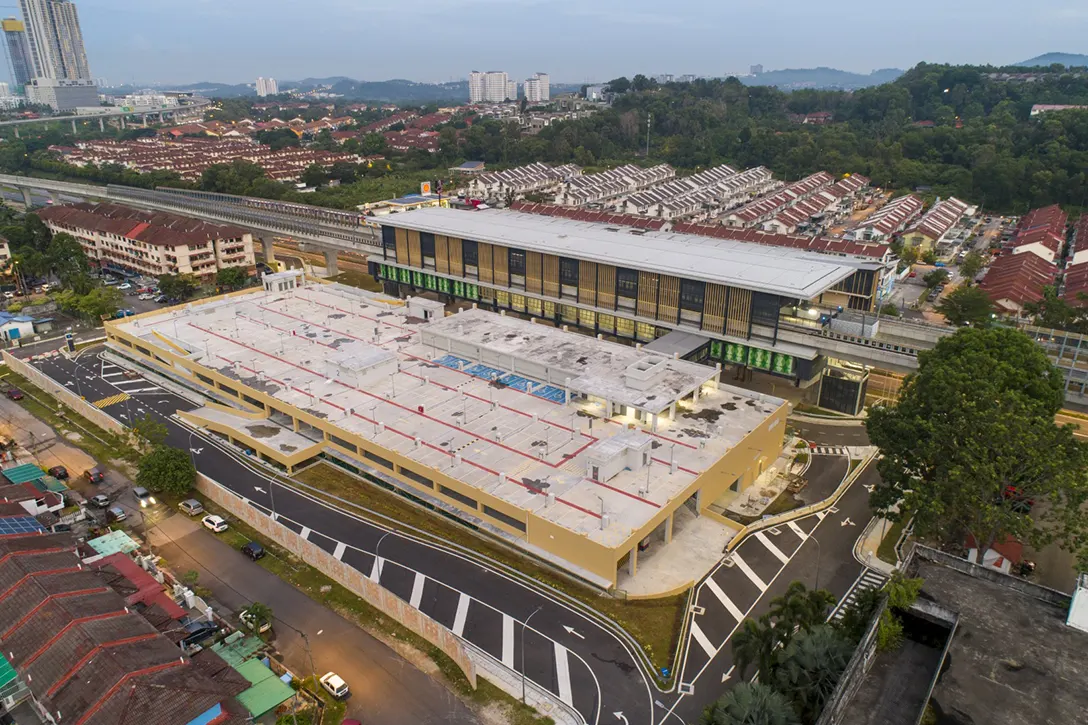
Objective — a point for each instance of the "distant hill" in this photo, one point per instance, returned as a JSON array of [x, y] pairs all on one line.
[[823, 78], [1073, 60]]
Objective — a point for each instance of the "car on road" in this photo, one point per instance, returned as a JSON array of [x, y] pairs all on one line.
[[124, 286], [251, 623], [214, 523], [334, 685], [116, 514], [191, 507], [58, 472], [253, 550], [14, 394], [100, 500], [95, 475], [144, 497]]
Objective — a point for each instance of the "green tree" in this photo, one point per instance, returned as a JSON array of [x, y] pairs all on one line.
[[166, 470], [98, 303], [751, 703], [809, 668], [888, 309], [181, 286], [935, 278], [971, 265], [149, 430], [231, 277], [619, 85], [929, 257], [754, 643], [857, 615], [315, 175], [259, 613], [967, 306], [971, 446], [909, 255], [69, 262], [901, 592], [1054, 312], [799, 609]]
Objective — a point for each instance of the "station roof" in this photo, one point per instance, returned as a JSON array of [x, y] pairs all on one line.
[[481, 422], [776, 270]]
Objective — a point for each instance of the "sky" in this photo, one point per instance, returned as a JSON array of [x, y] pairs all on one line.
[[576, 41]]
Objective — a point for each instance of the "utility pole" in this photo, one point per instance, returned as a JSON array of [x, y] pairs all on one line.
[[649, 120]]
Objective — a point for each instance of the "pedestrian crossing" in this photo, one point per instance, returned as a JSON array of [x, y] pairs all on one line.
[[830, 450], [111, 400], [869, 579]]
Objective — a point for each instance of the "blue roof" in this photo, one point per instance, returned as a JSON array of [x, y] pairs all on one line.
[[471, 165], [6, 317], [413, 198]]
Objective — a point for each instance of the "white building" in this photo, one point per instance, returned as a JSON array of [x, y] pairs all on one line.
[[267, 87], [490, 87], [147, 100], [537, 88]]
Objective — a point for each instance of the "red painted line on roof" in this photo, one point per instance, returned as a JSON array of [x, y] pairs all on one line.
[[79, 620], [50, 598], [128, 676], [94, 651], [24, 577], [679, 468]]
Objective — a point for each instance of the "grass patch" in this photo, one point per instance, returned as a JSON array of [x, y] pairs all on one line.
[[854, 463], [355, 278], [333, 710], [886, 550], [801, 458], [785, 501], [347, 604], [103, 445], [654, 623], [800, 444]]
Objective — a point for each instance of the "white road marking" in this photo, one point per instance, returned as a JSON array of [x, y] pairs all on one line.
[[508, 640], [797, 530], [772, 548], [376, 570], [138, 390], [562, 674], [417, 590], [462, 614], [726, 601], [743, 566], [702, 640], [305, 533], [341, 547]]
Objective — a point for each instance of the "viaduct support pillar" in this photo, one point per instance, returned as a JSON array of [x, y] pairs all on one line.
[[73, 126], [26, 197], [331, 269], [101, 124], [16, 131], [269, 251], [122, 123]]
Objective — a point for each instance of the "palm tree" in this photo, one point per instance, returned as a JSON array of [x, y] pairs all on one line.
[[751, 704], [808, 669], [754, 643], [799, 608], [259, 613]]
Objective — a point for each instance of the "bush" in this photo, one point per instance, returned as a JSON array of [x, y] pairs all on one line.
[[166, 470]]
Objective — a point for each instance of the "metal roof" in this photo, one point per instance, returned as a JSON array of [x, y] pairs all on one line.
[[762, 268]]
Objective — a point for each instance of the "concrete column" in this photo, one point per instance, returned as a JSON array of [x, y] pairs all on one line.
[[269, 251], [16, 131], [294, 422], [73, 126], [668, 528], [632, 561], [52, 196], [26, 197], [122, 123], [101, 124], [145, 120], [331, 269]]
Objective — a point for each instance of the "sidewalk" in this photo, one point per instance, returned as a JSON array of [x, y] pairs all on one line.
[[386, 688]]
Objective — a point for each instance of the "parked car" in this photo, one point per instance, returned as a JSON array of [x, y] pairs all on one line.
[[14, 394], [109, 281], [95, 475], [9, 295], [100, 501], [191, 506], [116, 514], [253, 550], [124, 286], [197, 632], [60, 528], [160, 299], [59, 472], [214, 523], [146, 296], [334, 684], [144, 497], [251, 623]]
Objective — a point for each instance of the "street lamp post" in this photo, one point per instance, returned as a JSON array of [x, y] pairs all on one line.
[[524, 626]]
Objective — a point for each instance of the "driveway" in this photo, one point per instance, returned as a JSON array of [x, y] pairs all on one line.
[[386, 688]]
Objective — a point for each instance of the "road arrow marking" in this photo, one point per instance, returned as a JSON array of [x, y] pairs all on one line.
[[570, 630], [847, 522], [258, 489], [620, 716], [197, 452], [729, 674]]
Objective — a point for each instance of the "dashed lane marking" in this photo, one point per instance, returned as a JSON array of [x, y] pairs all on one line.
[[111, 400], [508, 640], [698, 635], [772, 548], [562, 674], [417, 590], [743, 566], [462, 614], [725, 600]]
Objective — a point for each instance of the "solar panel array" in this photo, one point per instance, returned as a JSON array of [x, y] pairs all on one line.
[[19, 525]]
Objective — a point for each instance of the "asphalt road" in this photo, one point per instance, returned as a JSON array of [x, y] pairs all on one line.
[[386, 689], [581, 658], [831, 435]]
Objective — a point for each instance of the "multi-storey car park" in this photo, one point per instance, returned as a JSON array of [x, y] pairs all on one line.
[[711, 299], [576, 449]]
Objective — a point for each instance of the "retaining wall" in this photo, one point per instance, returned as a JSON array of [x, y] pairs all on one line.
[[62, 394], [371, 591]]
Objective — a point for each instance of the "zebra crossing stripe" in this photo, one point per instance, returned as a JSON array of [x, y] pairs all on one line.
[[698, 635], [762, 537]]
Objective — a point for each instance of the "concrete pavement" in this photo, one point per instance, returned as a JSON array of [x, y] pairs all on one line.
[[386, 689]]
